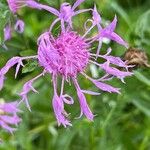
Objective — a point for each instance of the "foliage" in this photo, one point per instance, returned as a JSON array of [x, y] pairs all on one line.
[[122, 121]]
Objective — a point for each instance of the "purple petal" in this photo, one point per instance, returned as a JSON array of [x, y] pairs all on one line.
[[109, 33], [7, 127], [13, 120], [108, 51], [66, 14], [106, 77], [19, 26], [1, 81], [36, 5], [77, 3], [50, 9], [24, 98], [9, 115], [10, 107], [17, 68], [106, 87], [111, 27], [81, 11], [9, 64], [33, 4], [83, 104], [90, 92], [7, 33], [113, 36], [115, 72], [5, 69], [96, 16], [67, 99], [99, 48], [58, 107], [116, 61], [26, 89]]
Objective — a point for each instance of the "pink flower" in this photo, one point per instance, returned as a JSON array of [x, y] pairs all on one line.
[[67, 55]]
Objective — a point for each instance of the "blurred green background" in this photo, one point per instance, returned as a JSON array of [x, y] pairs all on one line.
[[122, 121]]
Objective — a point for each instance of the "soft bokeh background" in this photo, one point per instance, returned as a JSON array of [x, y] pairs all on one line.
[[122, 121]]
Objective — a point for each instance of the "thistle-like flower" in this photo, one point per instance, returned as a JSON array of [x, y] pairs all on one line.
[[67, 55], [8, 116]]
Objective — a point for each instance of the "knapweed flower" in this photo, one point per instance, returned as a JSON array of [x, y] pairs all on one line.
[[67, 55], [8, 116]]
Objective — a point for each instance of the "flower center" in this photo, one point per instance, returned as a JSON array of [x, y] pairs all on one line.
[[67, 55]]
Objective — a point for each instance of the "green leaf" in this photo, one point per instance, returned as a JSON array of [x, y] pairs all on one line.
[[142, 105], [30, 66], [142, 78], [122, 13], [27, 53]]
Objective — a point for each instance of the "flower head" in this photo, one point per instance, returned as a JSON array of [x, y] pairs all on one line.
[[67, 55]]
